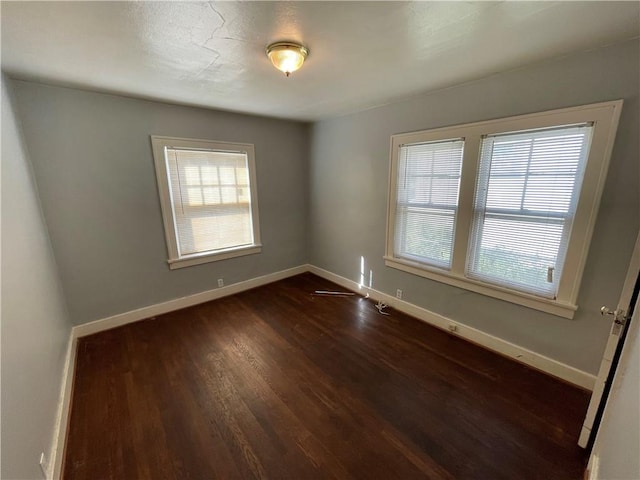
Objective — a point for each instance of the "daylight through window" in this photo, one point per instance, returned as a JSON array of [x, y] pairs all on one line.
[[506, 207], [526, 196], [209, 201]]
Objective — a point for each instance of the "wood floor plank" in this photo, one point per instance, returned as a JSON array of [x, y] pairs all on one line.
[[276, 383]]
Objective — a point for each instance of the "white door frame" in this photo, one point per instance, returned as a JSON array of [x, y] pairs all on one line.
[[612, 344], [617, 441]]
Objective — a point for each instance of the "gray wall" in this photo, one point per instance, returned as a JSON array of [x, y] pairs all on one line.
[[94, 168], [35, 324], [349, 179]]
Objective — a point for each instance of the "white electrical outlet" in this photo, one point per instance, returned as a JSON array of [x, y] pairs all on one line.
[[220, 282], [43, 465], [399, 294]]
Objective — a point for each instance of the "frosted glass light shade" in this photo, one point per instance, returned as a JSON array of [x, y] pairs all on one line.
[[287, 57]]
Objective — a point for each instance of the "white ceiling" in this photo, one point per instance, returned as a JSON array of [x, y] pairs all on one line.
[[362, 53]]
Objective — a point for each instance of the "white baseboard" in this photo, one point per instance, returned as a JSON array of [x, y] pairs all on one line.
[[62, 414], [183, 302], [64, 402], [517, 353], [498, 345]]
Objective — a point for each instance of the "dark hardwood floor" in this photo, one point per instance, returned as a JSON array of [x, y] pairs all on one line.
[[276, 383]]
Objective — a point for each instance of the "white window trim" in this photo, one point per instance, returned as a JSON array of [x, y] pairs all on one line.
[[159, 143], [605, 118]]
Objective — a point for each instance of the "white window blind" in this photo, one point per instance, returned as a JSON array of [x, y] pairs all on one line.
[[526, 197], [210, 198], [428, 181]]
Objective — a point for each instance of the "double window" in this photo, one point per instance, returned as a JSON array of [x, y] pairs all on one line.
[[208, 198], [506, 207]]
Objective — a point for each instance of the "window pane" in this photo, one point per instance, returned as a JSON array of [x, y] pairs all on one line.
[[511, 250], [549, 193], [243, 195], [192, 174], [211, 211], [228, 194], [221, 231], [209, 175], [526, 196], [211, 195], [194, 196], [227, 175], [242, 175], [428, 235], [427, 197]]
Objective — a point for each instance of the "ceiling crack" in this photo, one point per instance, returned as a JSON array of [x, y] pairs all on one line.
[[209, 64], [210, 38], [219, 26]]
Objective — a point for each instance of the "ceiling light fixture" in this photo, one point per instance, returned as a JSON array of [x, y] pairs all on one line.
[[287, 56]]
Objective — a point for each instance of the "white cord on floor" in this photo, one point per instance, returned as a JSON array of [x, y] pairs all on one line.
[[381, 306]]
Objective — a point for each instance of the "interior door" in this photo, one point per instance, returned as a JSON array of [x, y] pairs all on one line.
[[619, 323]]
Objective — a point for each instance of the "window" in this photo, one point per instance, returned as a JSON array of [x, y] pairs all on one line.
[[505, 208], [526, 196], [208, 199], [428, 182]]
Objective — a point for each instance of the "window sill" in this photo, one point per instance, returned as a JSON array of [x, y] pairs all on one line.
[[554, 307], [200, 258]]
